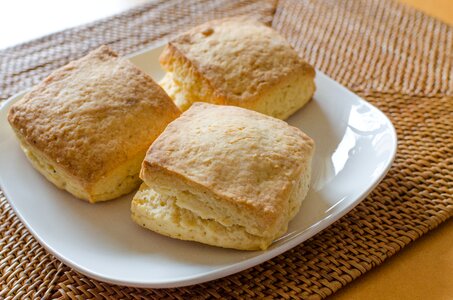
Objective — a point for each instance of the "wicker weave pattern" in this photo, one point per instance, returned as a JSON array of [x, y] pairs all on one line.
[[396, 58], [376, 46]]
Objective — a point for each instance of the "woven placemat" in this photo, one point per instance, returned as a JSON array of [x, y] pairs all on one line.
[[398, 59]]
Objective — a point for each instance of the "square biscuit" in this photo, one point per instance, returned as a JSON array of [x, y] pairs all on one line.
[[225, 176], [237, 61], [87, 126]]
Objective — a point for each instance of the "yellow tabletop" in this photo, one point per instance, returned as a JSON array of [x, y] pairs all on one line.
[[424, 270], [440, 9]]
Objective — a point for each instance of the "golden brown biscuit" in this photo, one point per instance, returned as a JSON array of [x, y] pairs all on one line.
[[224, 176], [88, 125], [237, 61]]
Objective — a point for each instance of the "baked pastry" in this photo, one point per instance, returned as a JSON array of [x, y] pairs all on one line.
[[224, 176], [88, 125], [237, 61]]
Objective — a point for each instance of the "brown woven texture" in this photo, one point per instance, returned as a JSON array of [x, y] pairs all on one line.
[[398, 59]]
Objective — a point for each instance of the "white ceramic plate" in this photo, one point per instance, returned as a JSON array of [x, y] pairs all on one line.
[[355, 146]]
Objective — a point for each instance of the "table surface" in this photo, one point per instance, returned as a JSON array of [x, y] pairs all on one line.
[[424, 270]]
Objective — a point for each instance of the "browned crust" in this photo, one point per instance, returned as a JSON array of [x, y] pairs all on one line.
[[171, 51], [93, 114], [223, 96], [159, 164]]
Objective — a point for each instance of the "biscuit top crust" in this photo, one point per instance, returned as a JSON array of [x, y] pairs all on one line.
[[240, 57], [237, 154], [93, 114]]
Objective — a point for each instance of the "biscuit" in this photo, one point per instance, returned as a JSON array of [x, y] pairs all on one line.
[[88, 125], [224, 176], [237, 61]]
